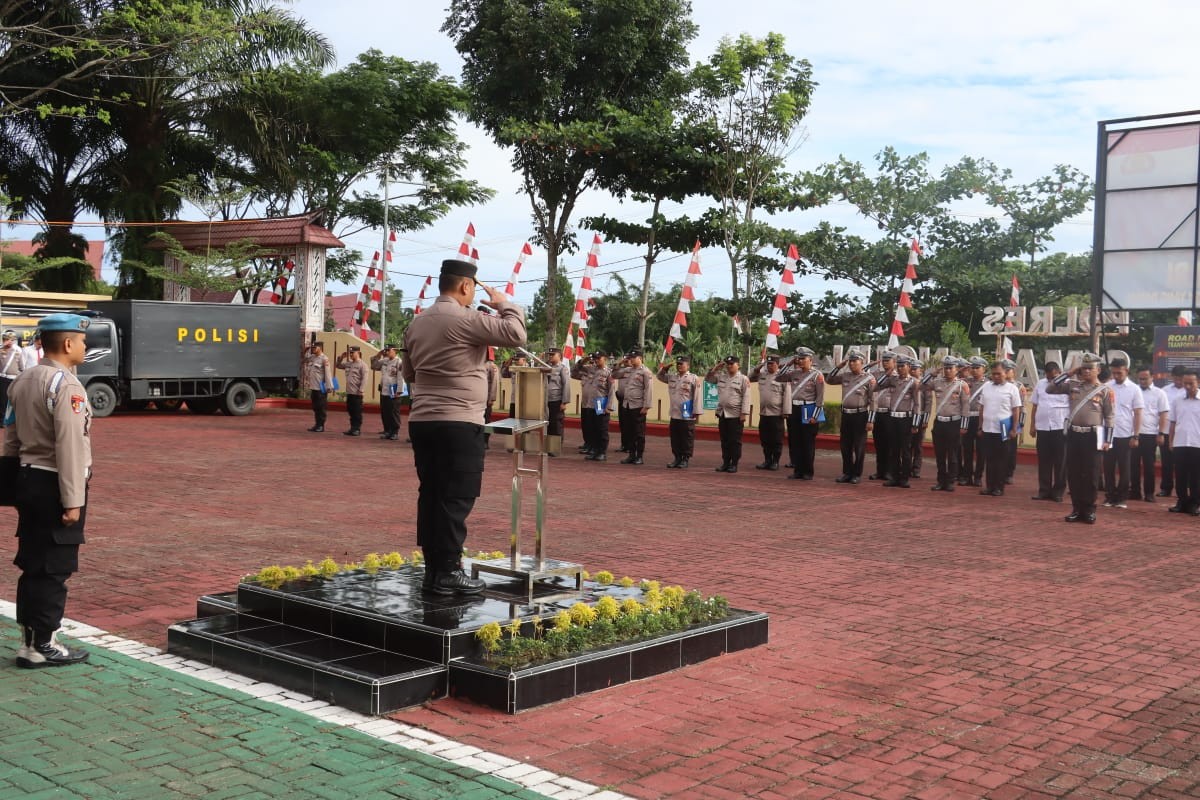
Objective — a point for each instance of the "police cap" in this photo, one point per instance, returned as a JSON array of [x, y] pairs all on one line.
[[72, 323], [887, 356], [389, 347], [683, 359], [9, 334], [854, 355], [978, 361], [1092, 359], [353, 349], [804, 351], [732, 360], [772, 358], [462, 269], [634, 353], [949, 361], [553, 351]]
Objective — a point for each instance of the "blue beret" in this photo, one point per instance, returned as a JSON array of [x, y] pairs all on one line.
[[72, 323]]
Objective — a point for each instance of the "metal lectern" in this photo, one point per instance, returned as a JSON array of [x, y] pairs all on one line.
[[528, 431]]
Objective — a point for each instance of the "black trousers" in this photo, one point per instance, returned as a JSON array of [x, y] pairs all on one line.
[[994, 450], [770, 436], [622, 421], [637, 432], [899, 447], [918, 449], [319, 403], [354, 407], [1010, 456], [1116, 471], [802, 443], [449, 461], [730, 429], [683, 438], [970, 465], [599, 435], [47, 551], [386, 406], [1167, 457], [882, 436], [1141, 466], [854, 443], [554, 418], [945, 450], [1052, 465], [587, 422], [1187, 477], [1083, 471]]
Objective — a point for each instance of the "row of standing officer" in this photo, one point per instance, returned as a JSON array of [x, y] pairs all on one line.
[[317, 378]]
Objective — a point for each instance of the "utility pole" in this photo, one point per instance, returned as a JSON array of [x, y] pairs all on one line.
[[384, 263]]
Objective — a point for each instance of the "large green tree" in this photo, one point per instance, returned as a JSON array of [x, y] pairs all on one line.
[[542, 75]]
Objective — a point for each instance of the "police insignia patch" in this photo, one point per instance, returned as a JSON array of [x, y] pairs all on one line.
[[78, 403]]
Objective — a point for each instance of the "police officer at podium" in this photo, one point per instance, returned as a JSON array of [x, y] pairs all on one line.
[[446, 350]]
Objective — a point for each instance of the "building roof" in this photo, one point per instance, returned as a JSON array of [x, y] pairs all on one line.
[[341, 308], [94, 254], [283, 233]]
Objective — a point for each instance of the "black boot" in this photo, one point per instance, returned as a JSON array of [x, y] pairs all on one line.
[[456, 582], [44, 651]]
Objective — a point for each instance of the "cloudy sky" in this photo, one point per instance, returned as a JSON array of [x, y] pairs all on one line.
[[1021, 83]]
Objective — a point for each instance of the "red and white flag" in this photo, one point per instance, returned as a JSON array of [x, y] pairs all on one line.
[[906, 290], [510, 291], [568, 349], [363, 306], [686, 295], [421, 295], [1014, 300], [787, 285], [467, 247], [583, 298], [1185, 318], [276, 292]]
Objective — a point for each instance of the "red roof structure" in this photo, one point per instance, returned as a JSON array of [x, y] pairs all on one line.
[[94, 255], [281, 232]]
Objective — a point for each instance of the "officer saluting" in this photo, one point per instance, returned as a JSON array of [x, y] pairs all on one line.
[[1092, 407], [857, 397], [446, 348], [355, 368], [636, 380], [318, 379], [48, 429], [947, 398], [733, 405], [770, 412], [806, 385], [391, 385], [686, 393]]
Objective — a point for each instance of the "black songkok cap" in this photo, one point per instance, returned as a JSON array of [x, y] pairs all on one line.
[[463, 269]]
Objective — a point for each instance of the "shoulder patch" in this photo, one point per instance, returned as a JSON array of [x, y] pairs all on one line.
[[78, 403]]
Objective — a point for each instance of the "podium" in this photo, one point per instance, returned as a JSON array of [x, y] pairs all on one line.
[[537, 573]]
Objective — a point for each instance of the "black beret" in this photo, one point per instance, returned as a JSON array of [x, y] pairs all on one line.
[[732, 360], [463, 269]]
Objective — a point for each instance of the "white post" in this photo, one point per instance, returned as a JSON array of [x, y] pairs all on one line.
[[384, 261]]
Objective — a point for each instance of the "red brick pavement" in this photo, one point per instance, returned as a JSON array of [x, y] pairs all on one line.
[[921, 645]]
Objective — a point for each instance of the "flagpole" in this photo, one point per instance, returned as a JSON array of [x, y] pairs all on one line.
[[384, 262]]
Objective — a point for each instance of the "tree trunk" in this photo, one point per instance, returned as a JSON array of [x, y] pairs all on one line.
[[552, 247], [643, 313]]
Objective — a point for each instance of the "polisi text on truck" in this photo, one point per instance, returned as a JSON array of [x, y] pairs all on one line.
[[217, 335]]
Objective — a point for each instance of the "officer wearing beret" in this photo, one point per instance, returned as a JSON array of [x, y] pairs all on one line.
[[446, 348], [686, 393], [770, 411], [858, 390], [1092, 408], [49, 423], [351, 363], [318, 379], [636, 380], [733, 406], [391, 387], [806, 388]]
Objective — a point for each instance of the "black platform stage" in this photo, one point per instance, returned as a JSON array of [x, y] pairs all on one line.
[[373, 642]]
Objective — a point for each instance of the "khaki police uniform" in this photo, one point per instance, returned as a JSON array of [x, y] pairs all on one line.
[[11, 363], [391, 389], [805, 396], [971, 461], [318, 379], [903, 399], [1092, 407], [771, 397], [878, 419], [355, 382], [636, 383], [946, 401], [686, 391], [446, 350], [50, 432], [558, 397], [858, 393], [733, 405]]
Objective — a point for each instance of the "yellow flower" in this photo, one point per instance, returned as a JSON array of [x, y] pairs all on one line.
[[271, 576], [653, 599], [489, 636], [582, 614], [418, 557], [672, 596], [626, 582], [308, 570], [393, 560], [514, 629], [562, 621], [372, 562], [537, 625], [648, 585], [328, 567], [631, 607], [604, 577], [290, 573], [495, 554], [607, 608], [349, 566], [587, 576]]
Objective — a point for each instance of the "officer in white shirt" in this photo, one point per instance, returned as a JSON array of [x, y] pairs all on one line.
[[999, 416], [1151, 436], [1174, 391], [1185, 447], [1049, 419], [1127, 422]]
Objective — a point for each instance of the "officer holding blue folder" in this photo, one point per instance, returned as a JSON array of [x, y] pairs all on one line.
[[733, 406], [806, 386], [687, 393]]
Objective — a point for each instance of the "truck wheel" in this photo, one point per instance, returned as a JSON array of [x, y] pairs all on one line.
[[168, 406], [203, 405], [239, 399], [102, 398]]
